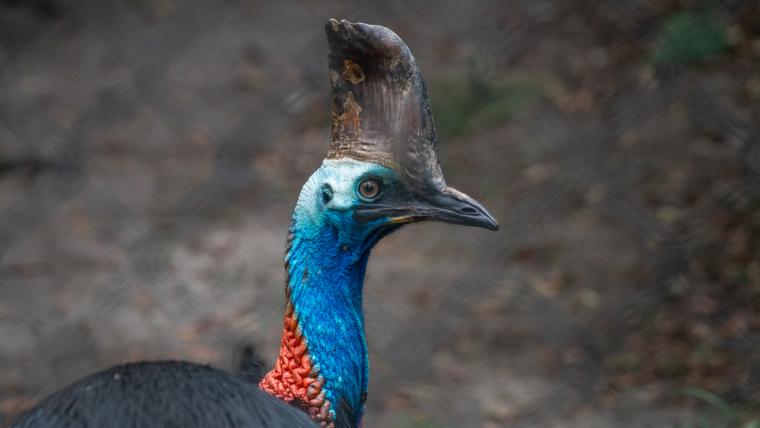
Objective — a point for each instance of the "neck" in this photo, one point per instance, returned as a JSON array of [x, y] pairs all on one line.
[[323, 364]]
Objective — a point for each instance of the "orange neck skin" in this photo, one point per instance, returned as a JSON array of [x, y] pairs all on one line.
[[295, 379]]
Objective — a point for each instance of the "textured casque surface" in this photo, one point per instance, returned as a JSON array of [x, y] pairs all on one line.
[[380, 108], [163, 394]]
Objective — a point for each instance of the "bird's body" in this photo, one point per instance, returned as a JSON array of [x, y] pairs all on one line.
[[163, 394], [381, 172]]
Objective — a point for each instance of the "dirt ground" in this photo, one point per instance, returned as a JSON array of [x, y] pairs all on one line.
[[151, 152]]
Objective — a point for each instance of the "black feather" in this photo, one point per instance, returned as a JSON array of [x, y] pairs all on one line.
[[250, 365], [163, 394]]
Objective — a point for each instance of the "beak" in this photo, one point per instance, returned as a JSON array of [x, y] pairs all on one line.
[[450, 206]]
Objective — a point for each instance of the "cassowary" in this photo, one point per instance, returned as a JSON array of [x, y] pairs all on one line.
[[381, 172]]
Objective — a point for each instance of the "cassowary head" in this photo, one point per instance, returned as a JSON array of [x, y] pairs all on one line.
[[381, 169]]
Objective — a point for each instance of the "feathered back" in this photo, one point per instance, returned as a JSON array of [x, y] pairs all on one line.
[[163, 394]]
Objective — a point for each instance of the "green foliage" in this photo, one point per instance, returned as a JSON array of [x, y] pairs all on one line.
[[691, 38], [728, 415], [463, 104], [626, 361]]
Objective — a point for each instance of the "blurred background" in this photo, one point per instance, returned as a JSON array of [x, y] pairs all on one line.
[[151, 152]]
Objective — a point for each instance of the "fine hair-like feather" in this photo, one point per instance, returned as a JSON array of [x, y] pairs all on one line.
[[163, 394]]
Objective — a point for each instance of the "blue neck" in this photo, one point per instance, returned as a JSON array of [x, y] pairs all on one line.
[[325, 279]]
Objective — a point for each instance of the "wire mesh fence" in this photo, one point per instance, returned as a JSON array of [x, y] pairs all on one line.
[[151, 152]]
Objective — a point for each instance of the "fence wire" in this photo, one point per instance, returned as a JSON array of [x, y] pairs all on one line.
[[151, 151]]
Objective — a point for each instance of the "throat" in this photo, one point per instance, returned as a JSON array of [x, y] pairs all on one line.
[[323, 365]]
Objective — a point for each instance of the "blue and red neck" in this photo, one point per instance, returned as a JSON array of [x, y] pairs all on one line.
[[323, 364]]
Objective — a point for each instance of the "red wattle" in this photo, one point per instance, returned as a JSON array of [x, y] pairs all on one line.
[[294, 378]]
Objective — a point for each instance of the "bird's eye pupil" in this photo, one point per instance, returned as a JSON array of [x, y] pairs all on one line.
[[369, 188]]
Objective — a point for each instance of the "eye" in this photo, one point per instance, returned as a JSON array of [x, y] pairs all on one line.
[[369, 188], [327, 194]]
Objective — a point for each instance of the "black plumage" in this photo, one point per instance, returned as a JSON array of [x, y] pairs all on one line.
[[163, 394], [250, 365]]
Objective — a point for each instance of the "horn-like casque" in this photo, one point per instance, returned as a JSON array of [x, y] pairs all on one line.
[[380, 109]]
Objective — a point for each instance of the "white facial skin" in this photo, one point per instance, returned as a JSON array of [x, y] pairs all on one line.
[[332, 192]]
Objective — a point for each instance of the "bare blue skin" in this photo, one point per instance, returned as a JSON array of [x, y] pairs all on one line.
[[326, 263]]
